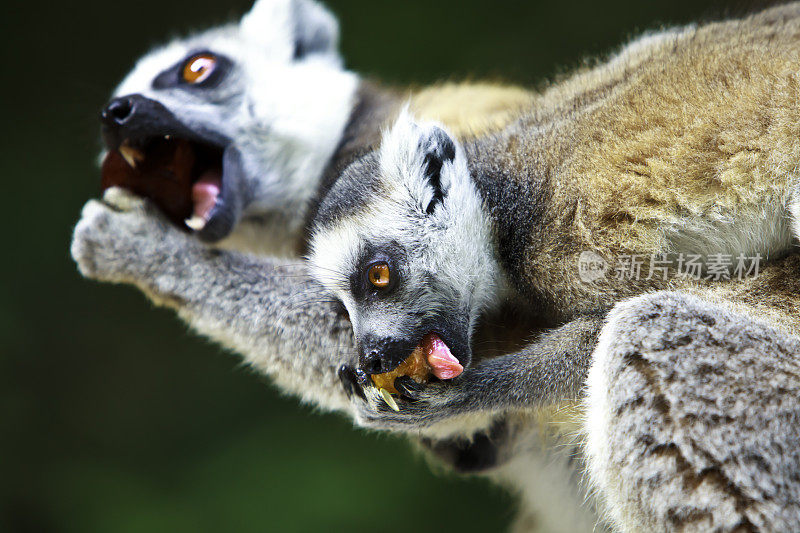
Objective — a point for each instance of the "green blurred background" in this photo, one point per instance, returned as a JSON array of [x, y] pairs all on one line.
[[112, 417]]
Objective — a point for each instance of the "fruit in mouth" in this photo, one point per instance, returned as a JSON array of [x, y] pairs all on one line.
[[183, 178], [415, 367], [432, 356]]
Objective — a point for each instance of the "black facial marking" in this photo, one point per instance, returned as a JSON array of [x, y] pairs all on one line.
[[350, 382], [380, 354], [137, 118], [439, 149], [351, 193], [231, 201], [360, 286], [172, 77]]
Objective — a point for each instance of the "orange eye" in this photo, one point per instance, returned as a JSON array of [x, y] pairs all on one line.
[[379, 275], [199, 68]]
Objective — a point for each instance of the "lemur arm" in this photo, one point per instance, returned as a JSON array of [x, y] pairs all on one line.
[[553, 367], [268, 311], [548, 370], [281, 321]]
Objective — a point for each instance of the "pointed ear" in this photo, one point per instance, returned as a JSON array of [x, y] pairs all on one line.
[[316, 29], [437, 148], [292, 29]]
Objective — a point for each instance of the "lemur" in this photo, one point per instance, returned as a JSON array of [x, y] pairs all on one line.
[[425, 236], [271, 117], [650, 452]]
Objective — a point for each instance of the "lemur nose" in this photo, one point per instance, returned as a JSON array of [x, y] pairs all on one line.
[[117, 111], [383, 354], [372, 363]]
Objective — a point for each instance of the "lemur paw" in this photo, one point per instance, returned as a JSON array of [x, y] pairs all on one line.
[[118, 237], [417, 406]]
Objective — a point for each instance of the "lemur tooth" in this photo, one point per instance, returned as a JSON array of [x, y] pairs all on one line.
[[387, 397], [131, 155], [196, 222]]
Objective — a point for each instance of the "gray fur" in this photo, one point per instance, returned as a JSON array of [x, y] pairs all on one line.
[[284, 325], [266, 309], [279, 320], [350, 193], [316, 30], [703, 419], [284, 129]]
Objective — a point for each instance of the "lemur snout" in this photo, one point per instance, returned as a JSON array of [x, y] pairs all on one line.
[[379, 355], [117, 111], [138, 118], [372, 363]]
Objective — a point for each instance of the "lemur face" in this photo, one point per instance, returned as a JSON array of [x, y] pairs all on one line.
[[403, 242], [260, 107]]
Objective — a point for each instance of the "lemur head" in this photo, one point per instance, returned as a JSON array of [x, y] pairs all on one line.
[[262, 104], [403, 241]]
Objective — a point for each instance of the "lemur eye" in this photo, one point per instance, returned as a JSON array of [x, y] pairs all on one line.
[[379, 275], [198, 68]]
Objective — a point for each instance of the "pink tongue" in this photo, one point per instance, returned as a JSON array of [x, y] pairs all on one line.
[[443, 363], [205, 193]]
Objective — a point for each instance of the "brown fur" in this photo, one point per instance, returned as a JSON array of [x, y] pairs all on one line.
[[471, 109], [663, 149]]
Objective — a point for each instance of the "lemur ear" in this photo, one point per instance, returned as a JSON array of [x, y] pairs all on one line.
[[438, 148], [292, 29], [316, 29]]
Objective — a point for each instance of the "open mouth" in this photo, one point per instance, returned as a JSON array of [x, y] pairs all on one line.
[[431, 357], [182, 176]]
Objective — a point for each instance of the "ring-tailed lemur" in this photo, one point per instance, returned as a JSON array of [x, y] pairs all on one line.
[[274, 118], [425, 236], [271, 117], [508, 217], [672, 471]]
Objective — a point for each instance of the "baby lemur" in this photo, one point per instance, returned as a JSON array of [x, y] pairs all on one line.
[[686, 142]]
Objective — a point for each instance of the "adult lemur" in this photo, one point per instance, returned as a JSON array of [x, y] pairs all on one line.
[[692, 410]]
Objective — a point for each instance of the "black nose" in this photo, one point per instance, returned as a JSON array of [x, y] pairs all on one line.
[[118, 111], [373, 363], [379, 355]]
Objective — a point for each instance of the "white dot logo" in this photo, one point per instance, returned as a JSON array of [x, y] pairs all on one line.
[[591, 267]]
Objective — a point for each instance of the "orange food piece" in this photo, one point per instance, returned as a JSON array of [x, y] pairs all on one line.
[[415, 366]]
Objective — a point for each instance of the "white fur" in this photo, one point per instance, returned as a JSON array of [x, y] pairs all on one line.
[[550, 498], [598, 418], [268, 25], [604, 480], [765, 230]]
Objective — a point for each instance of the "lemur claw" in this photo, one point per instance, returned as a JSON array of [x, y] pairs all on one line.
[[408, 388], [417, 405], [350, 382]]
